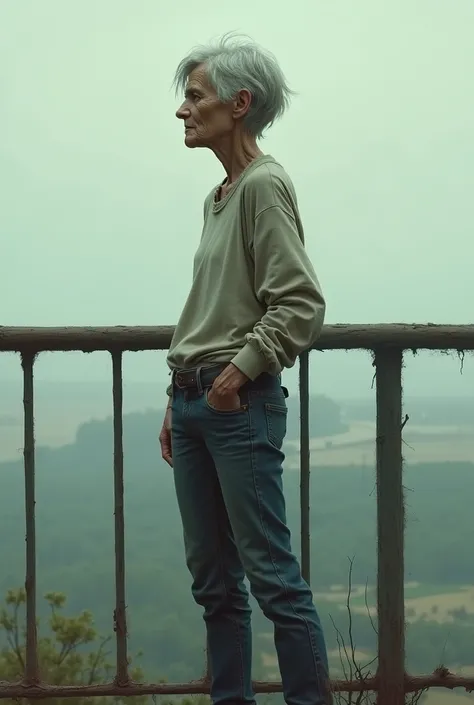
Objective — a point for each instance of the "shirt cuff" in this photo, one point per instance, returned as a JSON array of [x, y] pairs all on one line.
[[250, 362]]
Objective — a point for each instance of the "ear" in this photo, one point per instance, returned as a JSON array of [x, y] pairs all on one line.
[[242, 102]]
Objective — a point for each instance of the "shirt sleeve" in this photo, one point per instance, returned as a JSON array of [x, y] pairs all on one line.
[[287, 286]]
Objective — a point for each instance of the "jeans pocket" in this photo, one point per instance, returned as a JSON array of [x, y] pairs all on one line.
[[223, 412], [276, 416]]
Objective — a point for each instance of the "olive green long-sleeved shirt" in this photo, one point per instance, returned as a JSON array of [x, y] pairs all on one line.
[[255, 299]]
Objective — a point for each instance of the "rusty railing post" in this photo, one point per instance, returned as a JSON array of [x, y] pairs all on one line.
[[305, 467], [31, 661], [390, 529], [120, 619]]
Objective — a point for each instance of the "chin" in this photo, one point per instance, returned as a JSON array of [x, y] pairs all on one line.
[[192, 142]]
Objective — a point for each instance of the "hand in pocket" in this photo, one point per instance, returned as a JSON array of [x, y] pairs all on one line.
[[224, 402]]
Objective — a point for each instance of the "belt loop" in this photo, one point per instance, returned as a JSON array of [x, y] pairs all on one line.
[[199, 381]]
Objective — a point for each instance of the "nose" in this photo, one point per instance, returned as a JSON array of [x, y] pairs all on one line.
[[183, 112]]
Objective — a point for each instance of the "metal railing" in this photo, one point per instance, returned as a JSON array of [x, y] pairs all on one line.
[[387, 342]]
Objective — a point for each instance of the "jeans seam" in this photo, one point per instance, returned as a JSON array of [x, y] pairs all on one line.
[[315, 651], [234, 622]]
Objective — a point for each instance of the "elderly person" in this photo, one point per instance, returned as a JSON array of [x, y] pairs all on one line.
[[255, 303]]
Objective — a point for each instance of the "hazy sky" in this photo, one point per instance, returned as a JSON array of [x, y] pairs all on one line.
[[101, 203]]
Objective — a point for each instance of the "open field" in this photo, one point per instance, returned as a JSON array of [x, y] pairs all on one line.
[[431, 602], [422, 444]]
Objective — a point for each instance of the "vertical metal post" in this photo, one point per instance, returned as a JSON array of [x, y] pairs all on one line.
[[120, 621], [390, 529], [31, 661], [304, 467]]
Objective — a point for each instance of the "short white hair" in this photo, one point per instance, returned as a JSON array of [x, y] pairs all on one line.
[[233, 63]]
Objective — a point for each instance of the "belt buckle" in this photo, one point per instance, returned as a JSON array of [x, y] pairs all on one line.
[[183, 381]]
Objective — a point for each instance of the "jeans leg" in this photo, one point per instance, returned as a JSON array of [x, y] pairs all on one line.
[[213, 561], [246, 449]]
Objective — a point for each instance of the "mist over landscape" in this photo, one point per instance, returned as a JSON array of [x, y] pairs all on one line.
[[100, 215]]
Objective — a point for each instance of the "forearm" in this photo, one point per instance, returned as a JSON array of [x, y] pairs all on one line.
[[290, 326]]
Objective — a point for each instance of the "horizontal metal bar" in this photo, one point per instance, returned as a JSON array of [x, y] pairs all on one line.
[[334, 337], [439, 679], [390, 528]]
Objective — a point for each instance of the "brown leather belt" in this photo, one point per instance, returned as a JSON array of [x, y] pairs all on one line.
[[198, 377]]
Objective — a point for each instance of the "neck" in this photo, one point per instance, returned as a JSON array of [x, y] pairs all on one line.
[[236, 153]]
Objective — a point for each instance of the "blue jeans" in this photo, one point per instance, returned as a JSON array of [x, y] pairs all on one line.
[[228, 474]]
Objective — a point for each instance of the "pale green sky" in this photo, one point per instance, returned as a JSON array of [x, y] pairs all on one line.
[[101, 203]]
